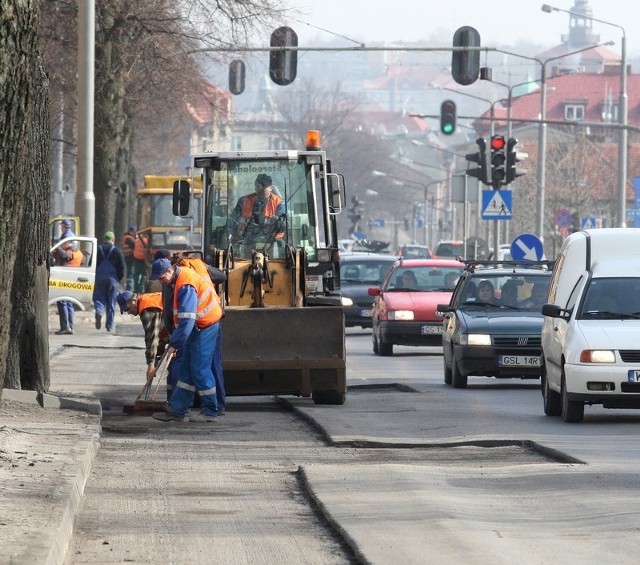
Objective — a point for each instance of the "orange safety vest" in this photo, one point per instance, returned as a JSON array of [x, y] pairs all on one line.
[[208, 310], [140, 248], [149, 300], [76, 259], [269, 208], [198, 265], [126, 248]]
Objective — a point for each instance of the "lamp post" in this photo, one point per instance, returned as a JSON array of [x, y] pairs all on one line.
[[542, 129], [621, 193]]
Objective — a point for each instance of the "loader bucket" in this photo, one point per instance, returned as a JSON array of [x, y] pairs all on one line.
[[298, 351]]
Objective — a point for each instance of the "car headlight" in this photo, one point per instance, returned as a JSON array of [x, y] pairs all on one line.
[[475, 339], [597, 356], [400, 315], [346, 301]]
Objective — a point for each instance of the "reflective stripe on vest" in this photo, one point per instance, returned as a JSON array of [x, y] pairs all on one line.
[[208, 309], [150, 300]]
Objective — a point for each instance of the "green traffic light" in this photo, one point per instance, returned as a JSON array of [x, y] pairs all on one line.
[[447, 129]]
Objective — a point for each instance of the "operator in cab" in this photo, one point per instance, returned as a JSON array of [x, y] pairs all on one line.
[[258, 216]]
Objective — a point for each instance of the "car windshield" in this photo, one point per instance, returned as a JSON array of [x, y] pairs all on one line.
[[423, 279], [367, 271], [512, 291], [449, 249], [611, 298]]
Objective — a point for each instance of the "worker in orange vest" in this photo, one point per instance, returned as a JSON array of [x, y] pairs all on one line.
[[68, 255], [140, 256], [127, 246]]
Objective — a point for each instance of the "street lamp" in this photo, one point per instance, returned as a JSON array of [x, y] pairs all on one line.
[[542, 129], [622, 114]]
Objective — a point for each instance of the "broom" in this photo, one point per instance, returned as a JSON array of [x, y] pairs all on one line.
[[148, 405]]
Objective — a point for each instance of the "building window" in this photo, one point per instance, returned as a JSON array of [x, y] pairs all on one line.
[[574, 112], [236, 143]]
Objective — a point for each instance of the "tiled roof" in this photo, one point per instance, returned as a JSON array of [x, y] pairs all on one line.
[[210, 104]]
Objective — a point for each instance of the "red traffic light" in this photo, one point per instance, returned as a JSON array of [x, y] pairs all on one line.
[[498, 142]]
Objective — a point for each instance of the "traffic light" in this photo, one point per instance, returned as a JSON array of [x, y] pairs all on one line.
[[283, 65], [236, 76], [448, 117], [513, 158], [498, 161], [465, 65], [480, 171]]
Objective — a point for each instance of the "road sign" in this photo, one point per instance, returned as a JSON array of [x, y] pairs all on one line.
[[377, 223], [527, 247], [563, 218], [588, 222], [496, 204]]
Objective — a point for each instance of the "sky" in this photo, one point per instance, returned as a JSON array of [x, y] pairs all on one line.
[[505, 22]]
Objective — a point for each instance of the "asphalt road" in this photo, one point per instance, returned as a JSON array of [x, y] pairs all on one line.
[[408, 470]]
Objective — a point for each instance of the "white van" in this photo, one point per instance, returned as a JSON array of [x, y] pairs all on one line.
[[590, 335], [74, 283]]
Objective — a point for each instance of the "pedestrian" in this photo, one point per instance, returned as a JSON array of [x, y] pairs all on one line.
[[196, 321], [110, 271], [140, 256], [149, 307], [127, 246], [68, 256], [63, 256]]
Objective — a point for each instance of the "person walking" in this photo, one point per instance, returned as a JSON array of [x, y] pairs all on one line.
[[140, 256], [196, 317], [110, 270], [127, 246]]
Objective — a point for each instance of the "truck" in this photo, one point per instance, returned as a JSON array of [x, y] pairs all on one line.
[[283, 321], [156, 220]]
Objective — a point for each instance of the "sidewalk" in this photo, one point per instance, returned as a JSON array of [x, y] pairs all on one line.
[[46, 454]]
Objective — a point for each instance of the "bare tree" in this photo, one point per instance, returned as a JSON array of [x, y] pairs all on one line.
[[24, 191]]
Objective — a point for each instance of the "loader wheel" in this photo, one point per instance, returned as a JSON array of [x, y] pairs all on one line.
[[328, 397]]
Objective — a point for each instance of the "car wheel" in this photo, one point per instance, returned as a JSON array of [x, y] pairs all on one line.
[[386, 349], [572, 410], [550, 398], [457, 379], [447, 373]]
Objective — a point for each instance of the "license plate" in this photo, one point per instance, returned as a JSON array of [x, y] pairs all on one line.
[[518, 361], [428, 330], [634, 376], [366, 313]]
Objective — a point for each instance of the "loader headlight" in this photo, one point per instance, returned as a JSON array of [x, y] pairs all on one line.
[[324, 255]]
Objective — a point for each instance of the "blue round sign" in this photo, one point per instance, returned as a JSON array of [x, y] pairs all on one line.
[[527, 247]]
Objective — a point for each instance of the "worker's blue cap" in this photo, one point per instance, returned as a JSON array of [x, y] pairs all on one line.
[[122, 299], [66, 223], [159, 268]]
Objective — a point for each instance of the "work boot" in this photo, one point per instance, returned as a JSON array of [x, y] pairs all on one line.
[[168, 417], [62, 331], [202, 417], [98, 321]]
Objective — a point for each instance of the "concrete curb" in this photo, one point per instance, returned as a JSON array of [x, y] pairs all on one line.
[[45, 400]]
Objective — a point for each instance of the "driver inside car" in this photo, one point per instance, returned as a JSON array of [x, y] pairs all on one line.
[[258, 215]]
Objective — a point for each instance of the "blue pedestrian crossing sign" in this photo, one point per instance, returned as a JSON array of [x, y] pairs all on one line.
[[496, 204], [588, 222], [527, 247]]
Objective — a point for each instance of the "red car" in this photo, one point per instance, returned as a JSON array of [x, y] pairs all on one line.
[[404, 307]]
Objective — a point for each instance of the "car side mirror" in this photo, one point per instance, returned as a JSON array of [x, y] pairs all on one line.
[[554, 311], [444, 308]]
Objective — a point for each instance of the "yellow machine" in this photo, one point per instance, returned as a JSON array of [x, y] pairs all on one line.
[[284, 323], [156, 219]]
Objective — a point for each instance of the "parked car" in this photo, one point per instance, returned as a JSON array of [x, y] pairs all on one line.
[[358, 271], [404, 307], [493, 322], [449, 250], [413, 251], [590, 348]]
